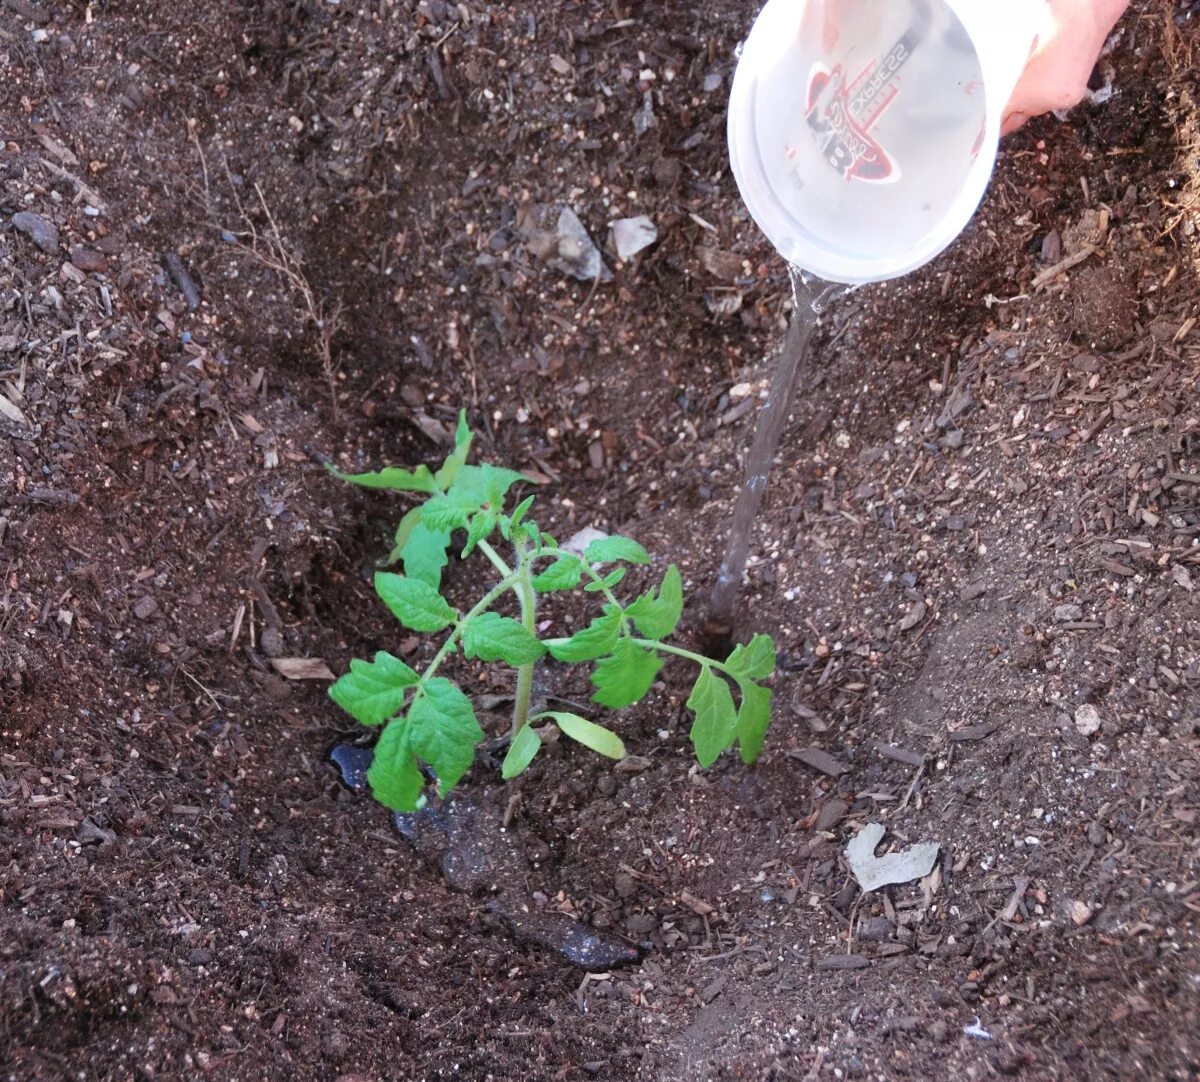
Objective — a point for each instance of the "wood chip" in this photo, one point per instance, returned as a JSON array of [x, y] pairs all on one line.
[[975, 732], [899, 755], [697, 905], [843, 961], [1117, 569], [1050, 273], [302, 668], [821, 761]]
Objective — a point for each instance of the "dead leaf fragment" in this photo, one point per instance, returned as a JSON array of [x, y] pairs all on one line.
[[302, 668], [873, 872]]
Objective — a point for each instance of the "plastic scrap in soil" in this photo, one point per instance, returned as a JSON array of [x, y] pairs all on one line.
[[578, 255], [632, 235], [477, 856], [873, 872], [976, 1030], [578, 543]]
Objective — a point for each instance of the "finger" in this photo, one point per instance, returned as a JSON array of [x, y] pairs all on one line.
[[1012, 122]]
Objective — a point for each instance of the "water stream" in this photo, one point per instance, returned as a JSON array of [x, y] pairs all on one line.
[[810, 299]]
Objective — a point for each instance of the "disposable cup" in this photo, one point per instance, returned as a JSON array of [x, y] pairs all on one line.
[[863, 133]]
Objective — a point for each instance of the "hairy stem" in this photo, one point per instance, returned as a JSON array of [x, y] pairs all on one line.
[[485, 603], [497, 562], [523, 588], [679, 651]]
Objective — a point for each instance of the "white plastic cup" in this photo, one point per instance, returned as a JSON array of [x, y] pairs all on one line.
[[863, 133]]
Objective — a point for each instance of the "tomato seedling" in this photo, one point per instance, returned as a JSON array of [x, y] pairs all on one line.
[[427, 718]]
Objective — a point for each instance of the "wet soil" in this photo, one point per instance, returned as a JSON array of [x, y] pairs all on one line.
[[243, 239]]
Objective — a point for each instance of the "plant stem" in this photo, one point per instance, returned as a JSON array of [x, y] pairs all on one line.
[[497, 562], [596, 577], [485, 603], [523, 588], [679, 651]]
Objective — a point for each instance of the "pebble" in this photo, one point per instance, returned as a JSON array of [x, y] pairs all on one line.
[[145, 607], [1068, 614], [1087, 720], [88, 259], [37, 229], [939, 1031]]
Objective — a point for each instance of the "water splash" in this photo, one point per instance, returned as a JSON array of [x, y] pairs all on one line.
[[811, 298]]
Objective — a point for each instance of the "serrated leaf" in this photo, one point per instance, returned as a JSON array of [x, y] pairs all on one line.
[[458, 457], [606, 549], [657, 613], [564, 574], [755, 660], [525, 745], [373, 691], [608, 582], [588, 733], [451, 511], [716, 718], [442, 730], [393, 479], [424, 554], [414, 603], [480, 529], [518, 516], [753, 720], [492, 637], [624, 677], [593, 641], [403, 532], [394, 777]]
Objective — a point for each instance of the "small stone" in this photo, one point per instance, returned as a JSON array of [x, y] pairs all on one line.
[[973, 590], [625, 885], [1081, 913], [199, 957], [939, 1031], [37, 229], [1096, 834], [88, 259], [954, 439], [145, 607], [1087, 720], [1068, 614], [271, 642]]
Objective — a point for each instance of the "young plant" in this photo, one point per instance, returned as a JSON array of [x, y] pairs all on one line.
[[427, 718]]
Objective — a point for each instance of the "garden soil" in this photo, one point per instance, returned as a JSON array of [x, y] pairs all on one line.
[[243, 239]]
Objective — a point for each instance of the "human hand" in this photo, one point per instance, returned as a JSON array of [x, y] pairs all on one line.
[[1068, 47]]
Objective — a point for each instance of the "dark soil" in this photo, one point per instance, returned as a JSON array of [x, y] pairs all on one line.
[[272, 234]]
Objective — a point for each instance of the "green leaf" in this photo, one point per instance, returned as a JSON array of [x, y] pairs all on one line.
[[414, 603], [518, 516], [443, 731], [424, 554], [606, 549], [563, 574], [626, 676], [753, 720], [657, 613], [492, 637], [480, 529], [526, 744], [403, 532], [716, 718], [755, 661], [587, 733], [394, 776], [373, 691], [393, 479], [593, 641], [451, 511], [608, 582], [458, 457]]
